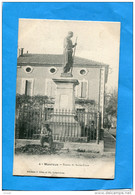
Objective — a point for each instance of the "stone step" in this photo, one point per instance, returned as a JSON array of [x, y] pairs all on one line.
[[69, 139]]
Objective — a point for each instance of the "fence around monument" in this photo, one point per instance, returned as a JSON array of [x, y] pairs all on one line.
[[29, 122]]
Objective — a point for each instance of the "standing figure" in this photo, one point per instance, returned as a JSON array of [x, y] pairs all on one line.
[[68, 52]]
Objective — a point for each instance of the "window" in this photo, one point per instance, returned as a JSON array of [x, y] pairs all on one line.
[[81, 90], [50, 88], [83, 72], [28, 69], [27, 87], [52, 70]]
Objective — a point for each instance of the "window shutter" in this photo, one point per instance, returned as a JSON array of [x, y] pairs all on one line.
[[76, 90], [79, 90], [83, 89], [49, 88], [53, 89], [28, 87], [23, 86]]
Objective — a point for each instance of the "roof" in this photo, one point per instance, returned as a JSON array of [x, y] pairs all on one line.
[[57, 60], [52, 59]]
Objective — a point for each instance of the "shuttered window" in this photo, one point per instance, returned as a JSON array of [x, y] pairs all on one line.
[[50, 88], [28, 87], [81, 90]]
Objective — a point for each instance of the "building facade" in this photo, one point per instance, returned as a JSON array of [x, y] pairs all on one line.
[[36, 71]]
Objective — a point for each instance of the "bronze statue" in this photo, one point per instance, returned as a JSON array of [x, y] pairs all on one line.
[[68, 53]]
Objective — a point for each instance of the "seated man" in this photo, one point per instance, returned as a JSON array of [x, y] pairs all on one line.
[[46, 135]]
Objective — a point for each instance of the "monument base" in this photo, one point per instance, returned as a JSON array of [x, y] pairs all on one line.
[[68, 74], [62, 121], [64, 125]]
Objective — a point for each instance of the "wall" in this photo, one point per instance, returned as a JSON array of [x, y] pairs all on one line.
[[40, 74]]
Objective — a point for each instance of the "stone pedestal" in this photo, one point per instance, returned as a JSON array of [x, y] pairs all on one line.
[[65, 97], [62, 121]]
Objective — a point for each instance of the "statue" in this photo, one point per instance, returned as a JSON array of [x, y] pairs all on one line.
[[68, 53]]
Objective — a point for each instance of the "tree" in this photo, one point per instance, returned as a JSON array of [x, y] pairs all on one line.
[[111, 103], [29, 114], [110, 113]]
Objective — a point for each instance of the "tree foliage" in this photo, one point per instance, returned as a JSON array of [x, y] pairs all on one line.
[[37, 100], [29, 114], [111, 103]]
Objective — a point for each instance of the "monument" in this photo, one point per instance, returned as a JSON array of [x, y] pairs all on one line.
[[68, 55], [62, 121]]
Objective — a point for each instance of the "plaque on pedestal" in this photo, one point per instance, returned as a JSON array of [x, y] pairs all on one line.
[[65, 97]]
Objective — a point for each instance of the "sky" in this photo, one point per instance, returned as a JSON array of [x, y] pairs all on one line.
[[98, 41]]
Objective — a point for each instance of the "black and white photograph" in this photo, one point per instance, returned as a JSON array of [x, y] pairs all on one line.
[[66, 98]]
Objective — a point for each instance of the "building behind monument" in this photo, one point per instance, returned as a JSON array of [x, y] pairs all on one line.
[[34, 78]]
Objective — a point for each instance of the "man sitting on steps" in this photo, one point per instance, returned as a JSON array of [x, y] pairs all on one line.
[[46, 135]]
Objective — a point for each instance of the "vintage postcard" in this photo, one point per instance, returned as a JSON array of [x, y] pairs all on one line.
[[66, 98]]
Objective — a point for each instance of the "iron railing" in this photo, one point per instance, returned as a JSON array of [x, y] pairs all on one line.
[[66, 125]]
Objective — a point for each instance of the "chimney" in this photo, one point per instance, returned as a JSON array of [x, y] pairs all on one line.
[[22, 51]]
